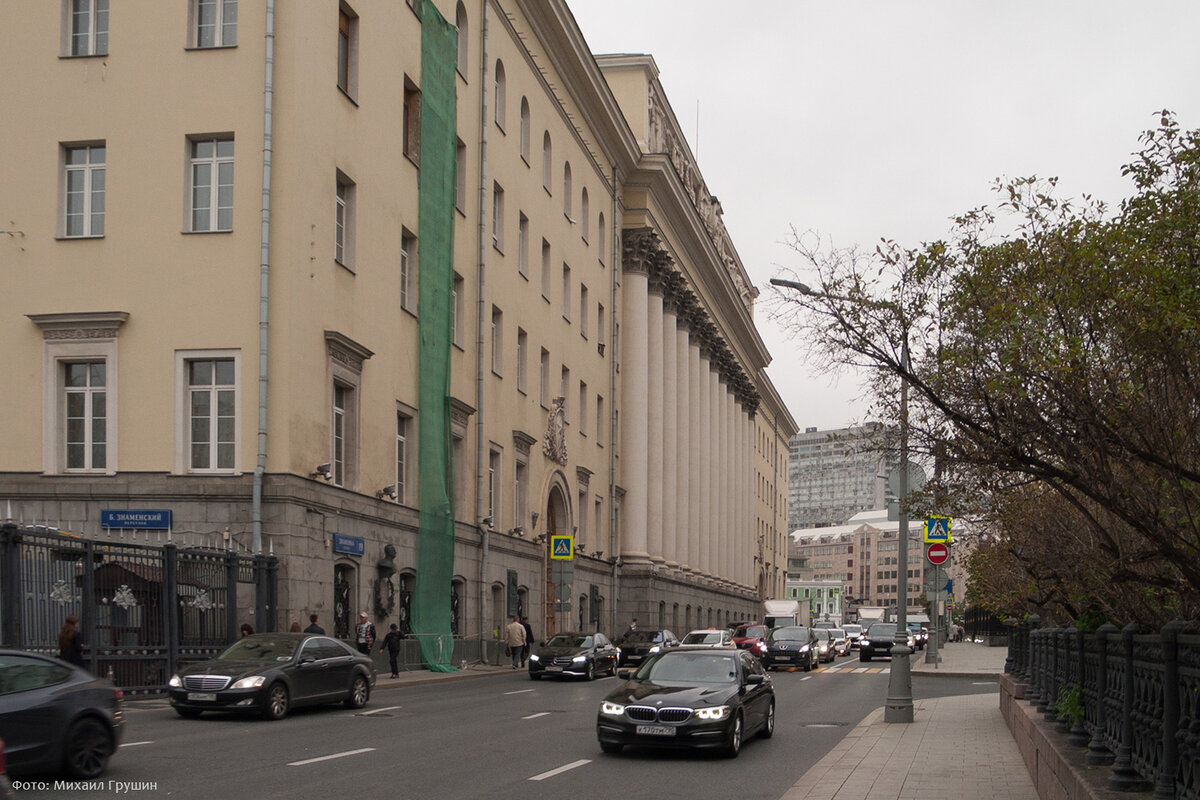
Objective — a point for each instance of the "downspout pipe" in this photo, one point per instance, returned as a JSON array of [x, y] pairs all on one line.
[[264, 279], [480, 445], [613, 363]]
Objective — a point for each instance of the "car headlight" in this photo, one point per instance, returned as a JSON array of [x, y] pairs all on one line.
[[863, 641], [715, 713], [175, 683], [579, 659], [253, 682], [824, 648], [611, 709], [655, 649], [533, 657], [804, 649]]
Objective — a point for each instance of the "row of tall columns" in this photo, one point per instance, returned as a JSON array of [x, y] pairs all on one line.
[[686, 432]]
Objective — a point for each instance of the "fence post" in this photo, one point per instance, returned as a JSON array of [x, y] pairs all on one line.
[[171, 616], [89, 605], [1124, 777], [1010, 663], [1078, 734], [232, 625], [1098, 753], [1164, 788], [1050, 689], [10, 580], [1036, 637]]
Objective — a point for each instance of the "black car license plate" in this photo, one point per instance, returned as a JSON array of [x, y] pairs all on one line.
[[655, 730], [554, 669], [201, 697]]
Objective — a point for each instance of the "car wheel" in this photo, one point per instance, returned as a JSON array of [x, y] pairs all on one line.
[[89, 746], [612, 669], [611, 747], [589, 672], [768, 728], [733, 745], [188, 713], [360, 692], [277, 701]]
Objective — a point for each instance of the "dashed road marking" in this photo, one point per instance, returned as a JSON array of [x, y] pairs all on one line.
[[539, 714], [330, 757], [379, 710], [559, 770], [134, 744], [520, 691]]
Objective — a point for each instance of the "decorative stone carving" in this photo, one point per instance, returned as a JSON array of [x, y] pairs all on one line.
[[522, 442], [554, 443], [639, 247], [346, 351]]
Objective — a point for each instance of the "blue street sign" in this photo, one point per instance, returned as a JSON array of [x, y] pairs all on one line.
[[135, 519], [937, 529], [349, 545], [562, 548]]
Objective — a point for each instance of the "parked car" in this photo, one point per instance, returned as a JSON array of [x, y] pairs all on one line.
[[878, 640], [5, 784], [752, 638], [825, 645], [689, 698], [841, 643], [56, 717], [709, 637], [853, 632], [271, 673], [637, 645], [793, 646], [574, 653]]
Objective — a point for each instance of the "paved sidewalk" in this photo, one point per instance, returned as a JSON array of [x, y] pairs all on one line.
[[956, 747]]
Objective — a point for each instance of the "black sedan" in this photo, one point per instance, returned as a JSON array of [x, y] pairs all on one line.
[[877, 641], [689, 698], [792, 646], [55, 717], [575, 653], [269, 673], [638, 645]]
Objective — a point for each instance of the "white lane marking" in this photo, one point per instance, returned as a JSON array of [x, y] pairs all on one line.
[[860, 670], [327, 758], [520, 691], [561, 769], [539, 714], [983, 683], [134, 744], [379, 710], [807, 678]]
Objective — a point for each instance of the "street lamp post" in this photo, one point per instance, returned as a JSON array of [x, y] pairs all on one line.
[[899, 704]]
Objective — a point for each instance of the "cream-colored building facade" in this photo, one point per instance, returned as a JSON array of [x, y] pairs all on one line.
[[212, 248]]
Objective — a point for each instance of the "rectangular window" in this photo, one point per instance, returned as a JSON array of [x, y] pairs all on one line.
[[403, 423], [497, 341], [87, 27], [498, 217], [522, 349], [600, 327], [564, 388], [83, 190], [493, 486], [212, 185], [523, 245], [545, 269], [85, 415], [412, 121], [347, 66], [408, 271], [212, 414], [583, 394], [460, 177], [456, 311], [458, 468], [583, 311], [544, 378], [215, 23], [341, 411], [343, 227], [566, 292], [600, 420], [520, 492]]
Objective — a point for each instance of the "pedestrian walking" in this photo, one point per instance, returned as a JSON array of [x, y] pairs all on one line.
[[365, 634], [313, 627], [528, 640], [514, 641], [70, 642], [391, 642]]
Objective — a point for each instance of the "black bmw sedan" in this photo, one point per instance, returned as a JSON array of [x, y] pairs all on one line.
[[269, 673], [575, 653], [638, 645], [689, 698]]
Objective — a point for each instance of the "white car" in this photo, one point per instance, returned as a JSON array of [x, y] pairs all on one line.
[[709, 637]]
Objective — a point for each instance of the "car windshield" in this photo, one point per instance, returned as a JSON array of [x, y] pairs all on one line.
[[750, 632], [837, 633], [635, 637], [703, 637], [789, 635], [881, 630], [852, 629], [569, 640], [914, 626], [261, 648], [822, 633], [690, 668]]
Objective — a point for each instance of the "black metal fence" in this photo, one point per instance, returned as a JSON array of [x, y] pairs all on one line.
[[1132, 699], [144, 610]]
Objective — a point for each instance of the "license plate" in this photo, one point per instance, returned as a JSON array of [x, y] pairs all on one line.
[[655, 730], [554, 669], [201, 696]]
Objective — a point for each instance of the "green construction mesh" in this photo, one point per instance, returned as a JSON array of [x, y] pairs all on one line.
[[435, 549]]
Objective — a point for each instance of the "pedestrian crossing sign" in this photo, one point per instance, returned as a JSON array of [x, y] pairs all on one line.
[[937, 529], [562, 548]]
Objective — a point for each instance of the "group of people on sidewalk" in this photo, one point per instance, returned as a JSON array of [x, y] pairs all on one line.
[[518, 639]]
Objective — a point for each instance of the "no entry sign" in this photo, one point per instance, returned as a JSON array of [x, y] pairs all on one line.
[[937, 553]]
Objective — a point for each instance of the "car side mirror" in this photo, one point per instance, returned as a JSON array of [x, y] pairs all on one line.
[[754, 680], [625, 674]]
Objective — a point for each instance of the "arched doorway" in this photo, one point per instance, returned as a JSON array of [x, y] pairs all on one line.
[[558, 521]]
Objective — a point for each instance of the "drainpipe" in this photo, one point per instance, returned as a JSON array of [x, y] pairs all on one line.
[[264, 279], [485, 530], [614, 261]]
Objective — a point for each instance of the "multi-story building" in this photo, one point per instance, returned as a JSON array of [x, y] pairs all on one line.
[[400, 293], [834, 474]]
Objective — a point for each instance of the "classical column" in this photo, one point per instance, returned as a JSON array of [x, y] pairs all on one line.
[[638, 249], [724, 483], [714, 471], [704, 469], [695, 455], [749, 490], [654, 439], [670, 350]]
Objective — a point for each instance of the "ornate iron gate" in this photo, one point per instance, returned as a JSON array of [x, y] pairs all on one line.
[[144, 610]]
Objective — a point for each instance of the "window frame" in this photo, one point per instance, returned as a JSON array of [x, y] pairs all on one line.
[[411, 123], [214, 162], [90, 170], [221, 26], [344, 220], [347, 58], [409, 270], [499, 96], [497, 216], [96, 40], [183, 417]]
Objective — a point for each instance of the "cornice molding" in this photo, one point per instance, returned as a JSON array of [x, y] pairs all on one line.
[[81, 325]]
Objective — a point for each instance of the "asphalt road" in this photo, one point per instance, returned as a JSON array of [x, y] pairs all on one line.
[[494, 737]]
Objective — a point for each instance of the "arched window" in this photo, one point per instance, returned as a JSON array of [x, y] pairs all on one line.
[[567, 188], [525, 129], [404, 603], [460, 22], [500, 82], [547, 163], [601, 240], [456, 593], [584, 213], [343, 592]]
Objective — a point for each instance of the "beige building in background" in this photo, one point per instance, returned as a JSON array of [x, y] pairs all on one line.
[[188, 301]]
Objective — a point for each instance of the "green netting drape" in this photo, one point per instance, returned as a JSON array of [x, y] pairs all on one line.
[[435, 549]]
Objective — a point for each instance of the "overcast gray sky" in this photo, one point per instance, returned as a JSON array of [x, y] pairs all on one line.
[[862, 120]]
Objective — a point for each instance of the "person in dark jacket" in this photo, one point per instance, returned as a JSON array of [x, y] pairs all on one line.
[[528, 640], [70, 643], [313, 626], [392, 643]]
